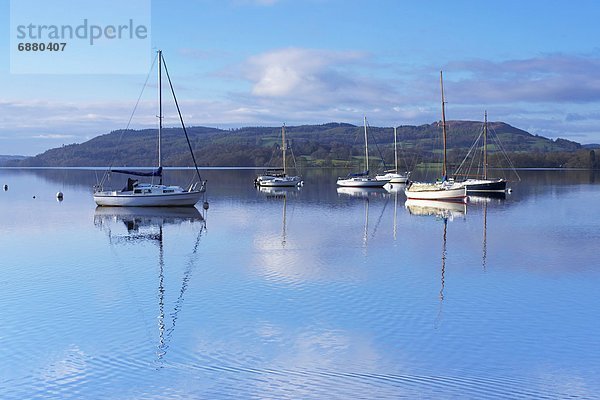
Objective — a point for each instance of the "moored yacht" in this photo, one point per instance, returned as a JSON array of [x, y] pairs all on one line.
[[136, 194], [362, 179], [444, 189]]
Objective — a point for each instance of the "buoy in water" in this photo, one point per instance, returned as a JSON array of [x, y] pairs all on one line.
[[59, 196], [205, 205], [5, 188]]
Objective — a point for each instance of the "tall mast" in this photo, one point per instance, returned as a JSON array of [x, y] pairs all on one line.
[[366, 147], [160, 116], [395, 151], [443, 127], [283, 146], [485, 163]]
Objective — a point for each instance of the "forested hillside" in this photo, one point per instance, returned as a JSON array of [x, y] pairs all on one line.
[[332, 144]]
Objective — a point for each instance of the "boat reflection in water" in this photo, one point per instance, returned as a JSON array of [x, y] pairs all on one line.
[[140, 221], [485, 199], [442, 209], [366, 194], [446, 211], [145, 224], [395, 189], [280, 193]]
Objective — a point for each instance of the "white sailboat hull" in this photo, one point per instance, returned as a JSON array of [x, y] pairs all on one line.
[[286, 181], [361, 182], [436, 191], [393, 177], [148, 195], [116, 199]]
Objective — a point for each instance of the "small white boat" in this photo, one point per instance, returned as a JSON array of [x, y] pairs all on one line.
[[449, 191], [362, 179], [285, 181], [392, 175], [136, 194], [149, 195], [279, 177]]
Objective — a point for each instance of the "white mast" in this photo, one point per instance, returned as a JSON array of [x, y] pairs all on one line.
[[366, 147], [283, 146], [395, 151], [485, 163], [443, 126], [160, 116]]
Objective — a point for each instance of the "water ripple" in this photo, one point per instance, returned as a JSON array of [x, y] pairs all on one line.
[[320, 383]]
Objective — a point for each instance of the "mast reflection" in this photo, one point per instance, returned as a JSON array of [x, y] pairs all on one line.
[[280, 193], [394, 190], [366, 194], [145, 224], [446, 211], [485, 200]]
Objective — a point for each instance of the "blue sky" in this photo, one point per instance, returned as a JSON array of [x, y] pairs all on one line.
[[532, 64]]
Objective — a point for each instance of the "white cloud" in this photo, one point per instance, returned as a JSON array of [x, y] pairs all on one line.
[[53, 136], [301, 72]]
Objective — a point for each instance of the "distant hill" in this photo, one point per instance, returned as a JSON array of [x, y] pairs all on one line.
[[331, 144], [8, 158]]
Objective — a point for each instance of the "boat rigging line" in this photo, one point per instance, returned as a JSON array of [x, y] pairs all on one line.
[[187, 138]]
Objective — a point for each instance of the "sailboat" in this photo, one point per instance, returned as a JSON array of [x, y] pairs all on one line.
[[137, 194], [483, 183], [392, 175], [444, 189], [279, 177], [362, 179]]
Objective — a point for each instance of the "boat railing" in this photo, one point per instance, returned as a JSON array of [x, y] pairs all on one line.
[[194, 187]]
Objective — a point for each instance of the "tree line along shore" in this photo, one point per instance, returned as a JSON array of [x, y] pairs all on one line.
[[326, 145]]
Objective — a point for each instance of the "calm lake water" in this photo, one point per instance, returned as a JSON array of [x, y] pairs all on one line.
[[299, 294]]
